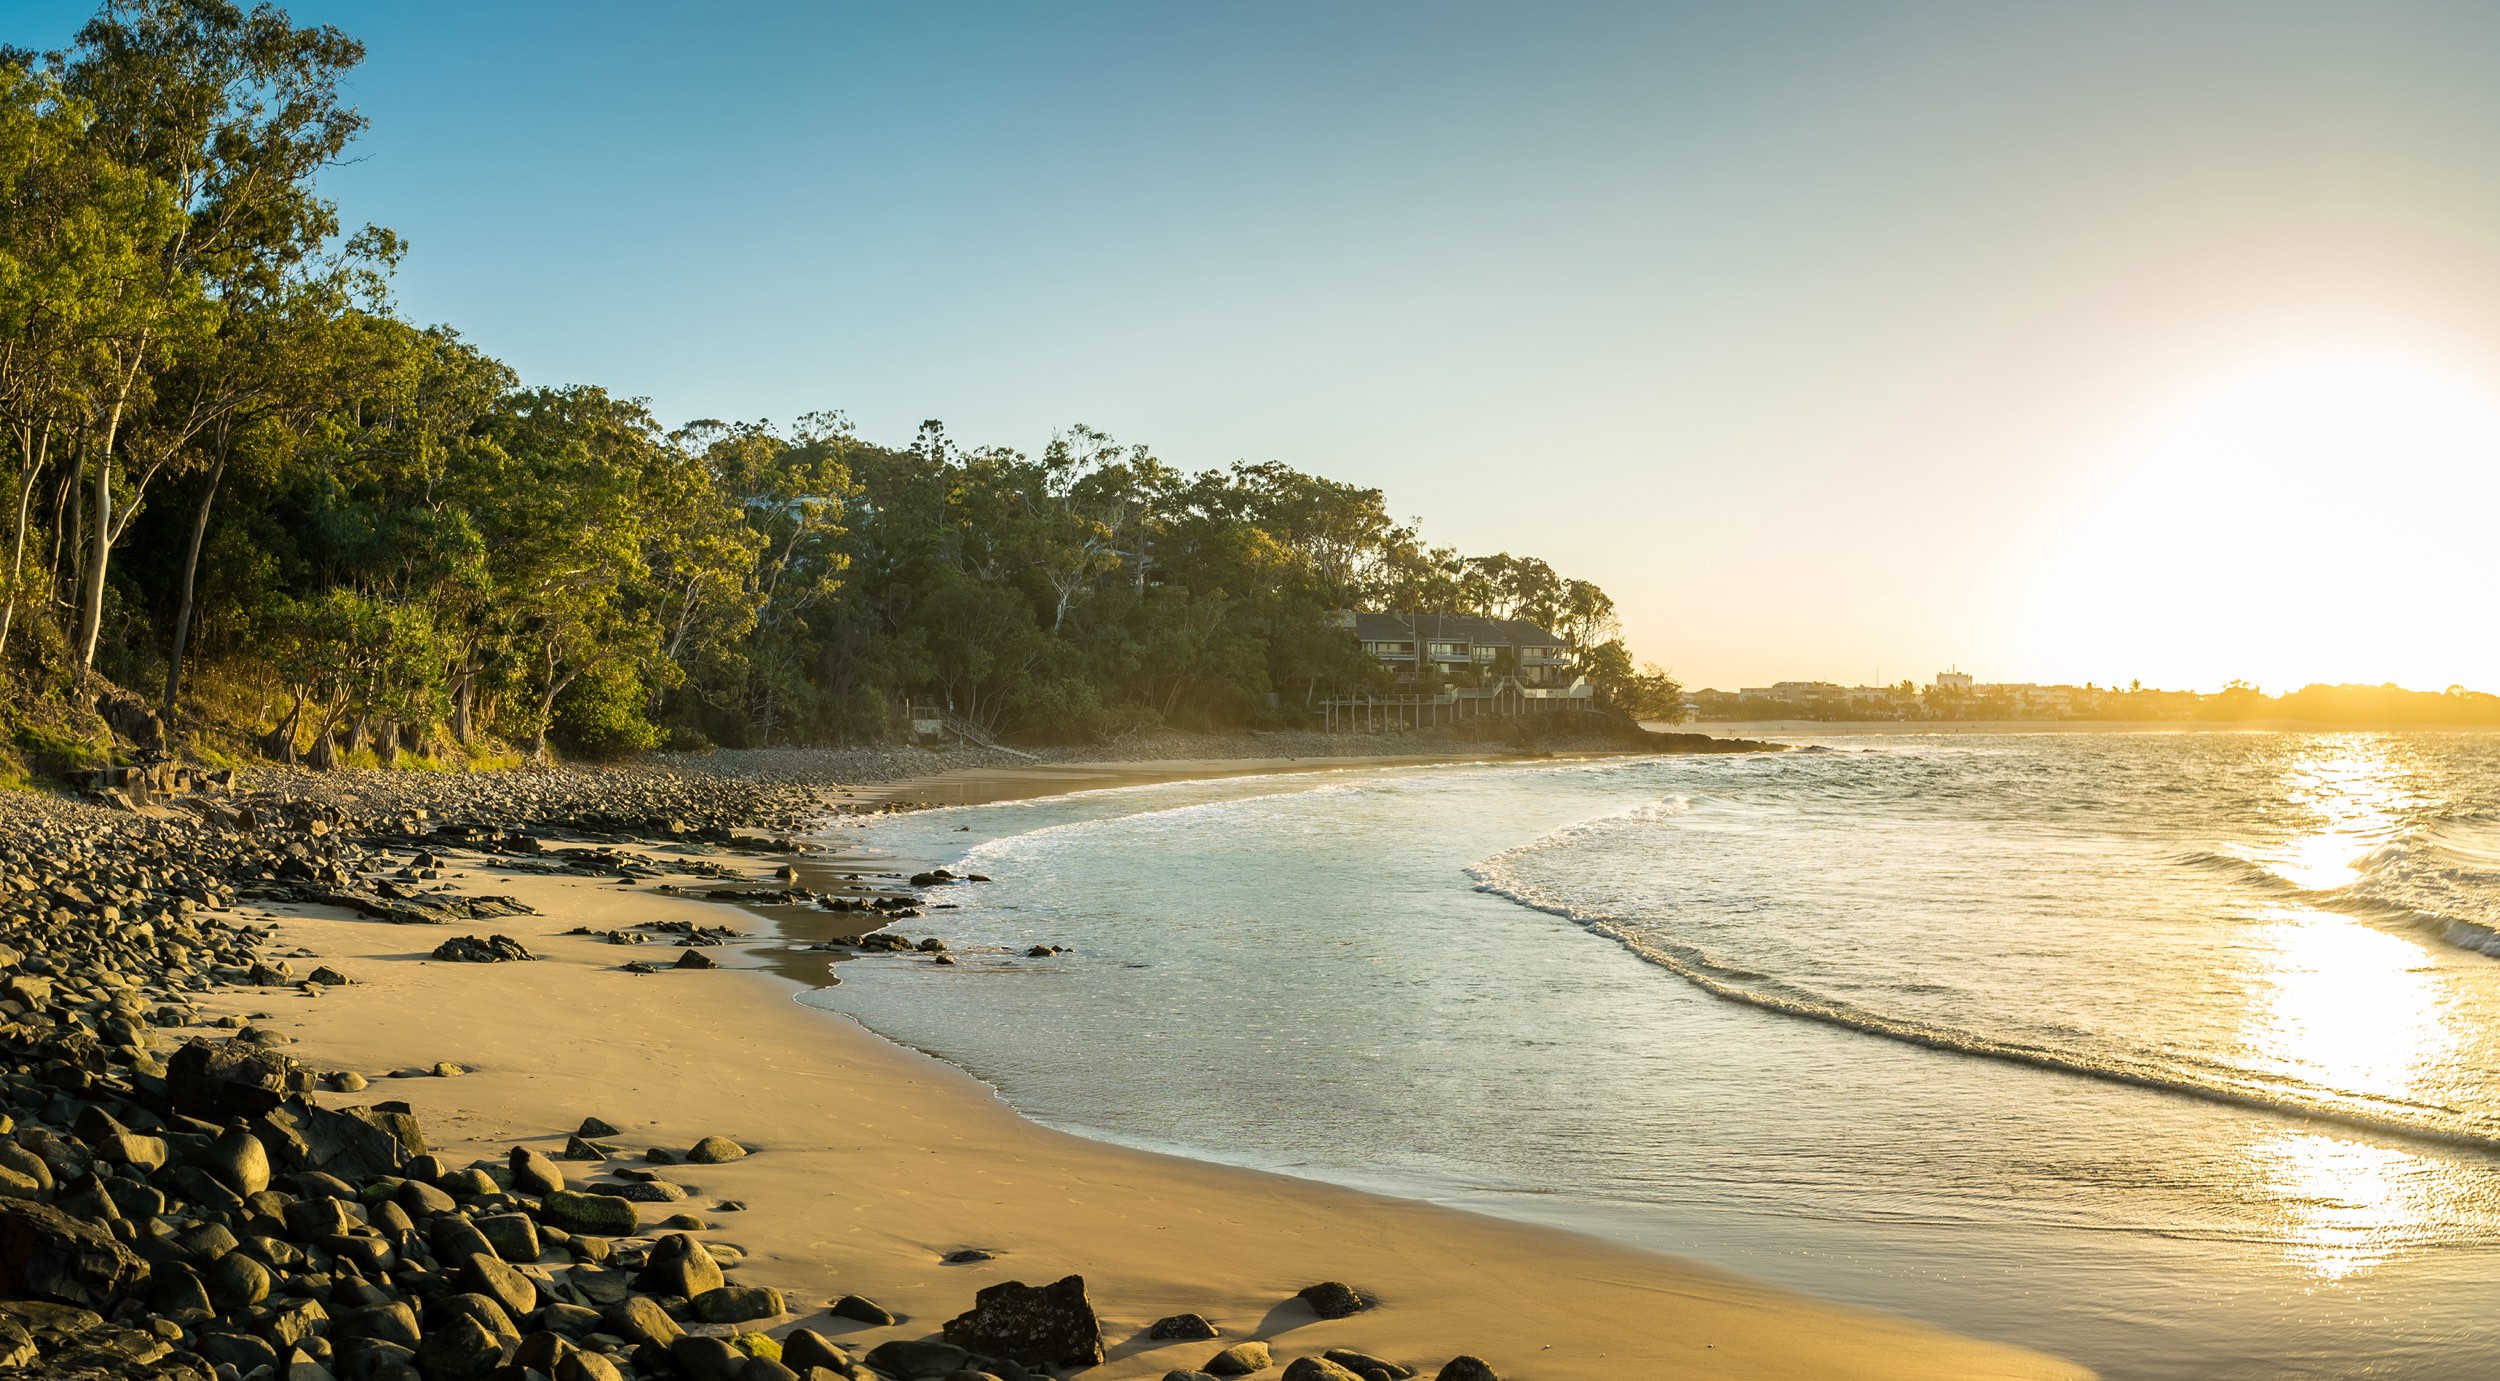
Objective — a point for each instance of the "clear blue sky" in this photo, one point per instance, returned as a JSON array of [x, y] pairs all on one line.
[[1835, 340]]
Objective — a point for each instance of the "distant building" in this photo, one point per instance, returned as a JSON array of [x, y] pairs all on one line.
[[1957, 682], [1454, 667], [1456, 647]]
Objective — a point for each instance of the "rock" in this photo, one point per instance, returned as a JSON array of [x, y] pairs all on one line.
[[715, 1150], [592, 1126], [236, 1282], [47, 1254], [445, 1069], [853, 1307], [695, 959], [916, 1361], [1184, 1327], [328, 977], [1241, 1359], [239, 1161], [639, 1319], [489, 1275], [1364, 1364], [802, 1348], [575, 1148], [1332, 1299], [533, 1173], [706, 1359], [587, 1366], [494, 949], [217, 1082], [967, 1256], [1466, 1368], [1317, 1369], [514, 1236], [738, 1304], [462, 1350], [1039, 1325], [1189, 1376], [681, 1266], [602, 1214], [393, 1322], [483, 1308]]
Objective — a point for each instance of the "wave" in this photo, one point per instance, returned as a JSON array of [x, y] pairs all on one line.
[[2277, 1093], [2413, 883]]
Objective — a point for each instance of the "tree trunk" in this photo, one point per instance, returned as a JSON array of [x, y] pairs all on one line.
[[34, 456], [182, 611], [99, 548]]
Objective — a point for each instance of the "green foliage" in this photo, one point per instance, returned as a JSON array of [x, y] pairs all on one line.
[[232, 466]]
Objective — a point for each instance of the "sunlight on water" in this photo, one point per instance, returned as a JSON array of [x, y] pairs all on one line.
[[2347, 789], [1511, 985], [2345, 1007], [2348, 1205]]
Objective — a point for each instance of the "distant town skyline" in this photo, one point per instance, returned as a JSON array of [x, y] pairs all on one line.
[[2058, 338]]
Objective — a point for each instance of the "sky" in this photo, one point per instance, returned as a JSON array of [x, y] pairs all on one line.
[[2108, 341]]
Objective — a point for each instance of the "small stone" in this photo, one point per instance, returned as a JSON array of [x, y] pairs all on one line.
[[861, 1310], [592, 1126], [239, 1162], [715, 1150], [967, 1256], [1364, 1364], [805, 1348], [1331, 1299], [681, 1266], [603, 1215], [445, 1069], [695, 959], [1181, 1327], [1466, 1368], [533, 1173], [738, 1304], [639, 1319], [1241, 1359]]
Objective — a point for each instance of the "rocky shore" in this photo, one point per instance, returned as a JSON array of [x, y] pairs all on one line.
[[181, 1198]]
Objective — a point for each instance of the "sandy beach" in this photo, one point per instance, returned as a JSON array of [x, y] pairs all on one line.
[[874, 1161]]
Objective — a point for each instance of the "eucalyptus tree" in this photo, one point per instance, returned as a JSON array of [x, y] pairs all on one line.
[[237, 113]]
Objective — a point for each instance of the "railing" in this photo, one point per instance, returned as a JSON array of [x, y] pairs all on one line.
[[965, 731]]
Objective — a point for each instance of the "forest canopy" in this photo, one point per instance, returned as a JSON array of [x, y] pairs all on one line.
[[247, 501]]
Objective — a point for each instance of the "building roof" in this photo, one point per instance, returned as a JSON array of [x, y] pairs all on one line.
[[1452, 628]]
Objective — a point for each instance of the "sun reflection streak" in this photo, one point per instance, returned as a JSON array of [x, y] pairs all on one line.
[[2348, 1205], [2350, 1010], [2352, 807]]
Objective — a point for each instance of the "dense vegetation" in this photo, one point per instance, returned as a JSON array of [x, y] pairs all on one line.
[[245, 501]]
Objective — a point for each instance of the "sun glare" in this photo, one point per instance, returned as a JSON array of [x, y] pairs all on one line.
[[2322, 516]]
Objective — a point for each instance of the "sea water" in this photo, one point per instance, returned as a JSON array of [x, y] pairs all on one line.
[[2174, 1053]]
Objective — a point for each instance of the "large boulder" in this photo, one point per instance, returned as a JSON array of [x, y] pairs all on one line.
[[1333, 1299], [47, 1254], [1466, 1368], [1317, 1369], [680, 1266], [355, 1144], [217, 1082], [1039, 1325], [600, 1215], [915, 1361]]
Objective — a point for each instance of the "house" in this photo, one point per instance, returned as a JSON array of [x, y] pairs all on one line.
[[1459, 649], [1451, 668]]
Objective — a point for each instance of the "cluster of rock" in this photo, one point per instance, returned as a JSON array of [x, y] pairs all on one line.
[[200, 1214]]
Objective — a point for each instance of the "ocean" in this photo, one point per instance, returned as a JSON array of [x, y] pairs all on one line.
[[2177, 1054]]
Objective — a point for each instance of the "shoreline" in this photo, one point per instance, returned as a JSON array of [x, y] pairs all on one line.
[[876, 1159], [828, 1101]]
